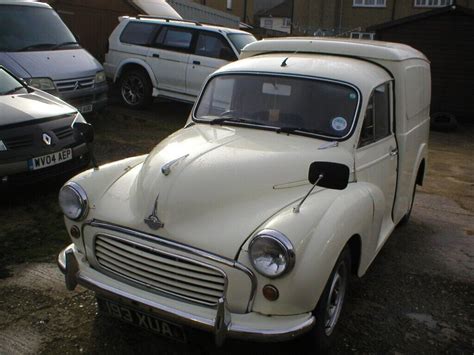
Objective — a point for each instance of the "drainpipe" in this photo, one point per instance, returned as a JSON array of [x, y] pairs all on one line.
[[245, 11], [341, 6], [292, 15], [393, 9]]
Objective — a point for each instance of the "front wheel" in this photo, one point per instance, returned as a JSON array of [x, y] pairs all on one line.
[[136, 88], [331, 303]]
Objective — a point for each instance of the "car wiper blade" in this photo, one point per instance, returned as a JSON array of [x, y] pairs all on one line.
[[64, 44], [37, 46], [234, 119], [12, 91]]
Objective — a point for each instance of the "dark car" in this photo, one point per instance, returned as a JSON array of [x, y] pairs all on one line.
[[37, 140]]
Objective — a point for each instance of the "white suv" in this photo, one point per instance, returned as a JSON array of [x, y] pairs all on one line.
[[151, 56]]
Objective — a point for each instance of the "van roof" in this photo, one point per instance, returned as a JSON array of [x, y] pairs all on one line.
[[25, 3], [184, 23], [346, 47]]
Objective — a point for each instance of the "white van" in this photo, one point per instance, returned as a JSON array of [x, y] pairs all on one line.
[[151, 56], [37, 46]]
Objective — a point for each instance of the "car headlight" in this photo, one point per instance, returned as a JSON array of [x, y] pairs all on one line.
[[271, 253], [42, 84], [100, 77], [73, 201]]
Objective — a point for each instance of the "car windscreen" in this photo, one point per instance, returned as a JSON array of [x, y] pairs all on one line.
[[285, 103], [240, 40], [9, 85], [31, 28]]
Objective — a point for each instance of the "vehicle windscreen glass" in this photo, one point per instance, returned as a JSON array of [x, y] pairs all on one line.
[[286, 104], [30, 28], [240, 40], [9, 85]]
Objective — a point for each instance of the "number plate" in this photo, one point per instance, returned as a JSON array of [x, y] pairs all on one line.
[[142, 320], [85, 109], [50, 159]]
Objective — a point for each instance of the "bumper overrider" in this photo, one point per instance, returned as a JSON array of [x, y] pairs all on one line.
[[219, 320]]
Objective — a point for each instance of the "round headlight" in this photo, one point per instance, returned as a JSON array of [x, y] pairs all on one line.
[[73, 201], [271, 253]]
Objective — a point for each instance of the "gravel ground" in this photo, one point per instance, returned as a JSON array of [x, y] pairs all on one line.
[[417, 297]]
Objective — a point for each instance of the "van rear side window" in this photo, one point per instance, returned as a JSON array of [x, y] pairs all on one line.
[[138, 33]]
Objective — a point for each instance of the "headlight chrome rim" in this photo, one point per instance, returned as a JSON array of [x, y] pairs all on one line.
[[285, 245], [82, 198]]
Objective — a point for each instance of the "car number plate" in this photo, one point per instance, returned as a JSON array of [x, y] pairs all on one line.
[[85, 109], [50, 159], [142, 320]]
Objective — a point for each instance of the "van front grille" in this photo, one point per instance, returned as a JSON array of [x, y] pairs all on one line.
[[19, 142], [75, 84], [160, 271]]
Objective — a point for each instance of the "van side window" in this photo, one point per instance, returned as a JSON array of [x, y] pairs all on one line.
[[377, 116], [174, 38], [138, 33], [214, 46]]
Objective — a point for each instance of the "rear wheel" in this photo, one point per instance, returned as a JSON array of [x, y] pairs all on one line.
[[331, 303], [136, 88]]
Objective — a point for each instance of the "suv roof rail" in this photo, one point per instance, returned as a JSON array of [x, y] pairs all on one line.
[[167, 19]]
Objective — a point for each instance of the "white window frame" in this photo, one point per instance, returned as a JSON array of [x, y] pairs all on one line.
[[434, 3], [229, 4], [364, 3]]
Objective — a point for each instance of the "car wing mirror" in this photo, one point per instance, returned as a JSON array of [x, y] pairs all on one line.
[[329, 175], [86, 131], [325, 174], [227, 54]]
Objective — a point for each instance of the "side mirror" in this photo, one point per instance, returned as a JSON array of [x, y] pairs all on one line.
[[85, 130], [227, 54], [329, 175]]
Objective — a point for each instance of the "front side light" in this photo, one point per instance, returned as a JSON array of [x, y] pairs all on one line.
[[271, 253], [42, 84], [3, 147], [73, 201], [100, 77]]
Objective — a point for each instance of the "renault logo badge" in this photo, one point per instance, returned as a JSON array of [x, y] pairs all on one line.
[[47, 139]]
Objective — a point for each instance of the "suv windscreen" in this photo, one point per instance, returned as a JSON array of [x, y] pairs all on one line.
[[240, 40], [9, 85], [31, 28], [287, 104]]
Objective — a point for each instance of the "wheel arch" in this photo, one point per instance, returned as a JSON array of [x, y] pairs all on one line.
[[134, 63]]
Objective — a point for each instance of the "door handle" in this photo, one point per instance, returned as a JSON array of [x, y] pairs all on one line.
[[393, 152], [154, 55], [197, 62]]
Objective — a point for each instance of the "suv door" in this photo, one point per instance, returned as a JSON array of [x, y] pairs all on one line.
[[211, 52], [376, 159], [169, 57]]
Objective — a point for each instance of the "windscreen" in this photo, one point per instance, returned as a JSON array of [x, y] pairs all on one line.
[[31, 28], [291, 104], [9, 85], [240, 40]]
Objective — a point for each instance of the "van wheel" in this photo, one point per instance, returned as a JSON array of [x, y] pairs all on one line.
[[331, 303], [135, 88]]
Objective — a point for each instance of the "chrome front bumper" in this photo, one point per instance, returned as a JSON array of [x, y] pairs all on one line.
[[251, 326]]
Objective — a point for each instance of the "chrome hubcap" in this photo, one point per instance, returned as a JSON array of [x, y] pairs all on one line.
[[133, 90], [335, 299]]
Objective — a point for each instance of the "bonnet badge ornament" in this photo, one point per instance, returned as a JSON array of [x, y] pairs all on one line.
[[47, 139], [153, 221]]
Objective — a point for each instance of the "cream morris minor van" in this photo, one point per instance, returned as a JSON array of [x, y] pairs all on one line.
[[296, 164]]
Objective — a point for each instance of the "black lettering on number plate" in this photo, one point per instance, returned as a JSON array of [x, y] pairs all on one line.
[[142, 320]]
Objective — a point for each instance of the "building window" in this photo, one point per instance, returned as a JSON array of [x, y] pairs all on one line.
[[268, 23], [362, 35], [432, 3], [229, 4], [369, 3], [287, 22]]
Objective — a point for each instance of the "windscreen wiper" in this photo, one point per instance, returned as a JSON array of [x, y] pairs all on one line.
[[64, 44], [221, 120], [12, 91], [37, 46]]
